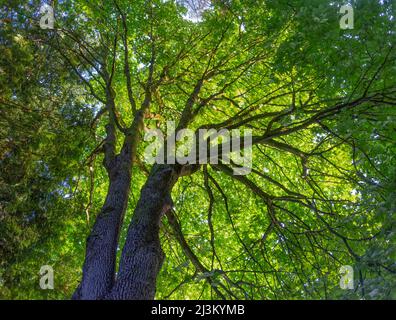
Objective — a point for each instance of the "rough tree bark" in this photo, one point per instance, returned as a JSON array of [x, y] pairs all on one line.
[[142, 254], [101, 248]]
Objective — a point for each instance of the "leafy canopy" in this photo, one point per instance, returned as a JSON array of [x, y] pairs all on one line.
[[321, 192]]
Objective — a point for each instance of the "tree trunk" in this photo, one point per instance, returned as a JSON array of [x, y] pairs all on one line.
[[101, 249], [142, 254]]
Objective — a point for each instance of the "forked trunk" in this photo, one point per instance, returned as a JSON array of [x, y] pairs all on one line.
[[101, 248], [142, 255]]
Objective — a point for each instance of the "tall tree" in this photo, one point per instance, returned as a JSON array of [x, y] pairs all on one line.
[[320, 102]]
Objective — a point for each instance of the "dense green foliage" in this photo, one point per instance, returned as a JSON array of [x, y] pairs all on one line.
[[319, 197]]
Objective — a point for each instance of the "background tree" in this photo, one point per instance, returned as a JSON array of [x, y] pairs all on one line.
[[44, 127]]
